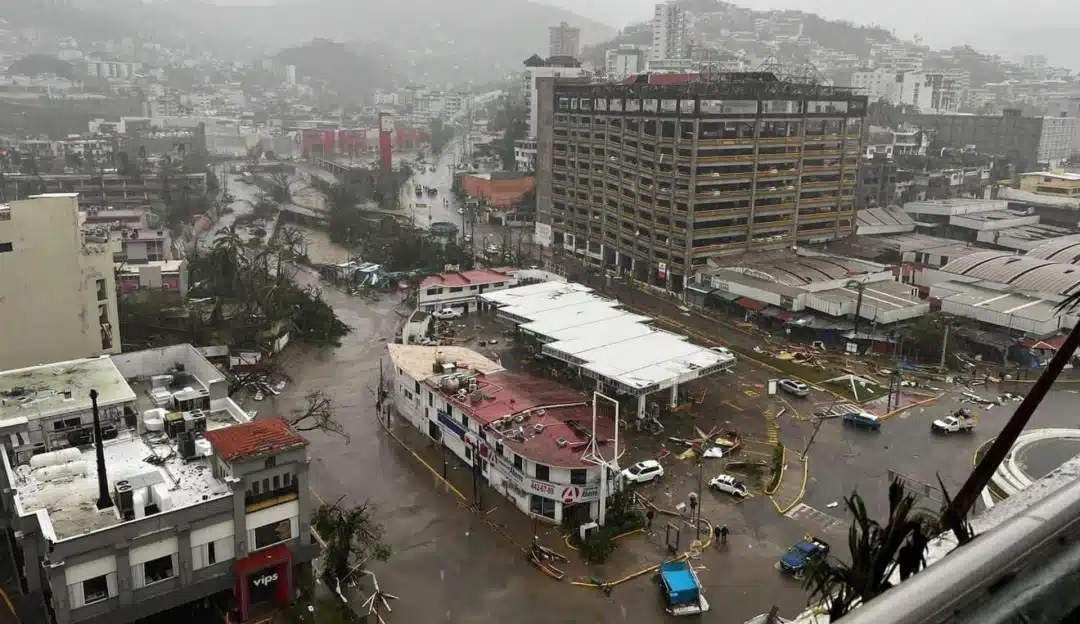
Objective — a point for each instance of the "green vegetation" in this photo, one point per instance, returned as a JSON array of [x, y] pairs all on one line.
[[352, 538], [876, 551], [623, 516], [250, 299], [34, 64], [777, 468]]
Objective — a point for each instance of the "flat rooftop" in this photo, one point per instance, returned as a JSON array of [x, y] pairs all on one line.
[[536, 401], [61, 388], [1012, 304], [1064, 176], [418, 361], [590, 331], [71, 501], [885, 295]]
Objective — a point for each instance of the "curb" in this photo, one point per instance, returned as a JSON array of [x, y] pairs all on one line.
[[904, 409], [802, 491], [783, 470], [424, 463]]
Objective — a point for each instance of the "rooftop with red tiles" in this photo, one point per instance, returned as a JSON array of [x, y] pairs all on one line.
[[254, 439], [532, 401], [468, 278]]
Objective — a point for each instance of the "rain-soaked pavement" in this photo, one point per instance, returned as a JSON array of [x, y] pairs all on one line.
[[450, 566]]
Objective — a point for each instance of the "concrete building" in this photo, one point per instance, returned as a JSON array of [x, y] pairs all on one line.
[[1056, 140], [564, 40], [1052, 184], [515, 429], [290, 74], [57, 289], [462, 289], [554, 67], [1009, 134], [107, 190], [221, 515], [655, 177], [169, 277], [806, 282], [623, 61], [669, 34], [907, 88]]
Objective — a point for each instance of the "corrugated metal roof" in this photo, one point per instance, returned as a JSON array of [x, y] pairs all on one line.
[[1064, 249], [1023, 272]]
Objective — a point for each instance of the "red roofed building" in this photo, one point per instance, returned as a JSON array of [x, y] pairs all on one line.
[[254, 439], [459, 289], [530, 436], [265, 461]]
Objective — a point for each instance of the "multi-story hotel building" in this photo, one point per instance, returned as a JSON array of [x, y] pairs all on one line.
[[658, 174]]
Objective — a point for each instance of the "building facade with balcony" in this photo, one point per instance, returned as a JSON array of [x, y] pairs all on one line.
[[110, 189], [657, 175], [526, 437], [57, 287]]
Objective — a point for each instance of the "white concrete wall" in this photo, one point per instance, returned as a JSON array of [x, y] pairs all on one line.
[[48, 286]]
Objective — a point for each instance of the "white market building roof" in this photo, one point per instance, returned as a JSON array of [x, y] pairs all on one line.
[[619, 348]]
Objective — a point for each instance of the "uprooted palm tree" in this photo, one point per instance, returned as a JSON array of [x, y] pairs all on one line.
[[958, 508], [877, 551]]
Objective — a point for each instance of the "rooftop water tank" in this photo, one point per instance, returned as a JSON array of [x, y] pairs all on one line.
[[55, 458], [62, 471]]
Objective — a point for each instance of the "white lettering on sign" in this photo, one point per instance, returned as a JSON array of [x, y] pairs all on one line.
[[265, 580]]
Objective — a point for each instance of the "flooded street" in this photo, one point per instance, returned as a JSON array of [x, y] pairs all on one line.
[[447, 565]]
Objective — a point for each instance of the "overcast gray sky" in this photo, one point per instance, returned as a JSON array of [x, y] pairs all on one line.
[[942, 23]]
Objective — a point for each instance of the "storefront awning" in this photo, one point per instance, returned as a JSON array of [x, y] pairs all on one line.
[[751, 304]]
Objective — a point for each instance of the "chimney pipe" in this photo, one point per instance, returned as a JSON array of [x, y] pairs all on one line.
[[104, 500]]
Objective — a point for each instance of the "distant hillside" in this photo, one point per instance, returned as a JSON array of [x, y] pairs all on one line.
[[34, 64], [478, 39], [353, 76]]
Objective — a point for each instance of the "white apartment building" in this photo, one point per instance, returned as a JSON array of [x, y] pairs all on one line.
[[57, 290], [908, 88], [112, 70], [564, 40], [669, 32], [624, 61], [290, 74], [528, 79]]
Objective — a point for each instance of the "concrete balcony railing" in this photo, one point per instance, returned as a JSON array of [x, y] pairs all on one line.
[[721, 213], [723, 195], [711, 160]]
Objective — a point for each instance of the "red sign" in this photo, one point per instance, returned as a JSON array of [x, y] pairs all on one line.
[[570, 495]]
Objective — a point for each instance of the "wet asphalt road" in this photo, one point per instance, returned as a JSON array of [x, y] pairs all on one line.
[[447, 565]]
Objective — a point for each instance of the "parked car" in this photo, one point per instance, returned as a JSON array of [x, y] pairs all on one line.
[[447, 314], [643, 471], [729, 485], [862, 420], [796, 558], [723, 351], [794, 388]]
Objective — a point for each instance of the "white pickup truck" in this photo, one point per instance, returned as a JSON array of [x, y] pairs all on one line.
[[961, 420]]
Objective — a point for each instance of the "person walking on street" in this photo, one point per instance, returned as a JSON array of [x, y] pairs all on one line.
[[716, 535], [648, 519], [723, 534]]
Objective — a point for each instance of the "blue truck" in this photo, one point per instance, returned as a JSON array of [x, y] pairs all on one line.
[[681, 589], [796, 559]]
